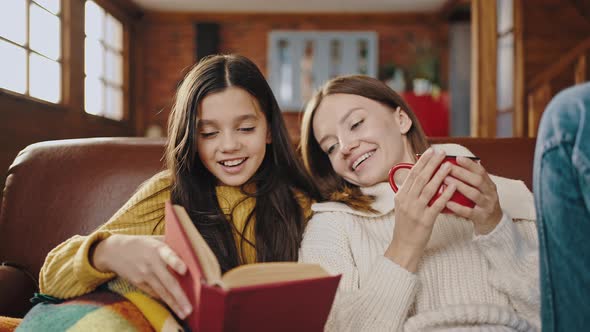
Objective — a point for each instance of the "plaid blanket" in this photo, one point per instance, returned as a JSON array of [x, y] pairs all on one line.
[[117, 306], [8, 324]]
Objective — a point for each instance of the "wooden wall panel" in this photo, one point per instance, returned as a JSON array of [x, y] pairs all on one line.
[[519, 123]]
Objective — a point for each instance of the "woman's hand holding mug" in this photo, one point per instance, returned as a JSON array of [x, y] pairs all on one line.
[[473, 182], [415, 214], [457, 197], [476, 197]]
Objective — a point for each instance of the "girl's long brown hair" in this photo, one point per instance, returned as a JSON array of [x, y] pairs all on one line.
[[332, 186], [279, 218]]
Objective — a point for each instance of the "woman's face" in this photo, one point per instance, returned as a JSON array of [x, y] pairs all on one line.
[[232, 135], [362, 138]]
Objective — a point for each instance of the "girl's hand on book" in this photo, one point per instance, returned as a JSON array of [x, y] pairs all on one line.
[[414, 219], [144, 261]]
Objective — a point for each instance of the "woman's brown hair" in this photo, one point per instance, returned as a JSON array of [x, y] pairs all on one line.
[[331, 185], [279, 217]]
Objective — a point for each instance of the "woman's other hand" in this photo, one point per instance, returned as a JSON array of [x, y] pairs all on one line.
[[414, 219], [473, 181], [144, 260]]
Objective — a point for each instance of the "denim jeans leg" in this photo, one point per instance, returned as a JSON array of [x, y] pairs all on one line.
[[561, 185]]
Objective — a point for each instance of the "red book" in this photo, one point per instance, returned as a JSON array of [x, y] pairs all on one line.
[[284, 296]]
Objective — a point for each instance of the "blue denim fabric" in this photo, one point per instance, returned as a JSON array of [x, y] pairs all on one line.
[[561, 185]]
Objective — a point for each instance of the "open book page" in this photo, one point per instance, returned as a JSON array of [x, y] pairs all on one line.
[[207, 259], [266, 273], [245, 275]]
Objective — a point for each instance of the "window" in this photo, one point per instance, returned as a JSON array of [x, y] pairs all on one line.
[[103, 63], [299, 62], [505, 68], [30, 48]]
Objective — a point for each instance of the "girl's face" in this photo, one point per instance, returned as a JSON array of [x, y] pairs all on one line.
[[362, 138], [232, 135]]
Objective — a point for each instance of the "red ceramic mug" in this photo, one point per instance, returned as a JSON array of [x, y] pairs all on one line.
[[457, 196]]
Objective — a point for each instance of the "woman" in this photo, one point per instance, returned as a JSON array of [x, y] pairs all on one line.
[[405, 265]]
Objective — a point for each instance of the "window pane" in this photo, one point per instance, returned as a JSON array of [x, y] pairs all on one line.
[[52, 5], [93, 96], [114, 68], [363, 49], [13, 67], [307, 82], [94, 18], [114, 103], [45, 80], [113, 33], [285, 72], [335, 57], [13, 20], [505, 85], [45, 34], [93, 58], [505, 73], [505, 16]]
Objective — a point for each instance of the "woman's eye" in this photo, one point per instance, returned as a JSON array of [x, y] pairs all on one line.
[[247, 129], [208, 134], [331, 149], [356, 124]]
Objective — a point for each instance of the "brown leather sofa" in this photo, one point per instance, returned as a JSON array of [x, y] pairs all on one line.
[[56, 189]]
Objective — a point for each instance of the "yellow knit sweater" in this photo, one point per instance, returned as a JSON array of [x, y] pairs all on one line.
[[67, 271]]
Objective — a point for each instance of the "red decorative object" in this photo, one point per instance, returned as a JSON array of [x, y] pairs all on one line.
[[432, 112]]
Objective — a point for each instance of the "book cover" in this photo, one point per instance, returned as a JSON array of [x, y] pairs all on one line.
[[284, 296]]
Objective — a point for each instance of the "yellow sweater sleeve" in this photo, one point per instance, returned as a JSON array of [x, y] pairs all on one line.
[[67, 271]]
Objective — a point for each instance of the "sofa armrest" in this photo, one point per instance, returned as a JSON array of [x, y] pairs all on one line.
[[17, 286]]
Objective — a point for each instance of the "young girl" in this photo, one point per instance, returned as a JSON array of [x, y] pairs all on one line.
[[405, 265], [230, 164]]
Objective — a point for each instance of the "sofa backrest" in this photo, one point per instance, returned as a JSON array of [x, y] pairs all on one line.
[[56, 189]]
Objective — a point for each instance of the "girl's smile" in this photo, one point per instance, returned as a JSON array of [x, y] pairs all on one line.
[[233, 166]]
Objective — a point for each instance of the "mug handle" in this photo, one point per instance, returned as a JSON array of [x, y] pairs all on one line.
[[392, 174]]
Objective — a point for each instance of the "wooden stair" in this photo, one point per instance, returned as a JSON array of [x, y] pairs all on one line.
[[572, 68]]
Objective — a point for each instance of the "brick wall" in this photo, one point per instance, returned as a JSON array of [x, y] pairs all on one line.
[[168, 51], [169, 47]]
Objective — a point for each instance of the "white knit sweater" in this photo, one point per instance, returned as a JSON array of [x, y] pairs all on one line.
[[464, 282]]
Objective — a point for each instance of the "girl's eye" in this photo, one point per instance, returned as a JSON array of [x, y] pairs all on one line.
[[247, 129], [209, 134], [356, 124]]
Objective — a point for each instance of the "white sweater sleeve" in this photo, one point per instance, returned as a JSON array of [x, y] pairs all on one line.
[[377, 301], [512, 250]]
